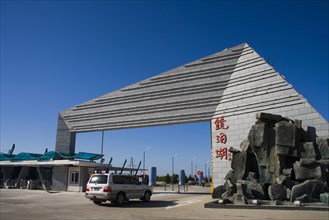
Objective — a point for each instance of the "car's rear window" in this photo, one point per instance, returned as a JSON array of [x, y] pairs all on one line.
[[98, 179], [122, 179]]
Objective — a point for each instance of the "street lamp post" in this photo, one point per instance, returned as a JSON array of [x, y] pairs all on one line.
[[205, 170], [102, 147], [144, 161], [172, 172], [192, 167], [206, 174]]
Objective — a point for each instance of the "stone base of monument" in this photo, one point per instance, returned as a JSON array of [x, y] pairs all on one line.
[[280, 165], [267, 204]]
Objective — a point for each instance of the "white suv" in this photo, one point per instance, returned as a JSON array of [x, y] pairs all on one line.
[[116, 188]]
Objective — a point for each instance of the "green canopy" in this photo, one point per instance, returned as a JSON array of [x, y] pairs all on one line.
[[87, 156], [51, 155], [6, 157], [26, 156]]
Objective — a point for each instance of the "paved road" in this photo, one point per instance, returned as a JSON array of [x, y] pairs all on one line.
[[26, 204]]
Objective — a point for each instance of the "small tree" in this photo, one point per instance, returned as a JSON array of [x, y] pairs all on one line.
[[167, 178], [186, 179], [175, 178]]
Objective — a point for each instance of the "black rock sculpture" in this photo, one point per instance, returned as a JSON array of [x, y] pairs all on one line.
[[278, 161]]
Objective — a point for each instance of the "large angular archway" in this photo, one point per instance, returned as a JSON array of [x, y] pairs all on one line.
[[234, 83]]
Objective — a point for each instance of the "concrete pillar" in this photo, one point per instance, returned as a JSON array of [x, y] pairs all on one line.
[[22, 174], [65, 139], [6, 173], [60, 178], [83, 178]]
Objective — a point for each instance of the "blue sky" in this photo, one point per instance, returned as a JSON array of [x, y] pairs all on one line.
[[57, 54]]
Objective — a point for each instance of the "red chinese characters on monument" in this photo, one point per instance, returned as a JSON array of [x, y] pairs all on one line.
[[219, 122], [222, 153], [221, 138]]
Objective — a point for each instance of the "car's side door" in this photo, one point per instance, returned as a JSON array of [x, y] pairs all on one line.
[[128, 187], [138, 188]]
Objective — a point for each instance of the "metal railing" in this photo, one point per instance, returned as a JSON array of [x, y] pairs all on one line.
[[9, 184], [26, 184]]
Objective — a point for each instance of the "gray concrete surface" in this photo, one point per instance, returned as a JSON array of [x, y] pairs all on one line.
[[36, 204]]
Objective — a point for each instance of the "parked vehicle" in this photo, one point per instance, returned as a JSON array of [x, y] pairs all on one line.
[[116, 188], [191, 182]]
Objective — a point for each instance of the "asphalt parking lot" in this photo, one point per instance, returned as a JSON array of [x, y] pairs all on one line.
[[19, 204]]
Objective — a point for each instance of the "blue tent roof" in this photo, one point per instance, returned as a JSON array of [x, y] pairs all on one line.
[[87, 156], [26, 156], [51, 155], [6, 157]]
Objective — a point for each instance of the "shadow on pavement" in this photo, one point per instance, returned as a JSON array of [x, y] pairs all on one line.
[[51, 191], [196, 193], [140, 204], [185, 193]]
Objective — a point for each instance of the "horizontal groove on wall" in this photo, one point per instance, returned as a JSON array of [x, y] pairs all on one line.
[[150, 124], [150, 98], [280, 100], [165, 91], [188, 75], [153, 105], [179, 80], [173, 119], [141, 111], [260, 109], [198, 63], [265, 88], [143, 122], [251, 93], [144, 95], [219, 57], [190, 93], [221, 70]]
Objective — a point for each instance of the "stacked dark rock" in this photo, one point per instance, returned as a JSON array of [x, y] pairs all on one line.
[[279, 161]]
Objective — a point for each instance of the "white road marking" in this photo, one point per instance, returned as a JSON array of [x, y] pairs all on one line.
[[183, 203], [157, 195]]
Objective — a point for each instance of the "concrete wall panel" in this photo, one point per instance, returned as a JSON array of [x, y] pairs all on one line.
[[245, 96]]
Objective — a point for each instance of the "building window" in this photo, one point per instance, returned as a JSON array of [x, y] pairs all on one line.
[[74, 177]]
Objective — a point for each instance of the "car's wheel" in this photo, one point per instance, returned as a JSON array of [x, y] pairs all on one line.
[[97, 202], [120, 199], [147, 196]]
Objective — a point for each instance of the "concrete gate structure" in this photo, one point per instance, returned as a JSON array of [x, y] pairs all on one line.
[[225, 88]]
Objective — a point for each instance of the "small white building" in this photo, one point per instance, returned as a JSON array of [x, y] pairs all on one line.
[[30, 171]]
